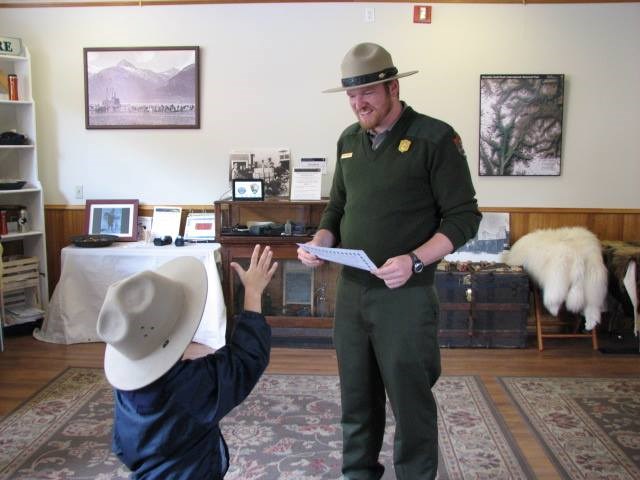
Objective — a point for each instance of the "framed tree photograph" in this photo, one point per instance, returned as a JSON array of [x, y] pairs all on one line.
[[112, 217], [521, 125], [142, 87]]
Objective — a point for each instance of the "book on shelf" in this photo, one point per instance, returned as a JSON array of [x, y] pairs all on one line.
[[17, 314]]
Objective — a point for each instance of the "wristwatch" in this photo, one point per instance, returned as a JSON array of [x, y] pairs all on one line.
[[418, 266]]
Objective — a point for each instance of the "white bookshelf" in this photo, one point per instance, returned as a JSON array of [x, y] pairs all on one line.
[[20, 162]]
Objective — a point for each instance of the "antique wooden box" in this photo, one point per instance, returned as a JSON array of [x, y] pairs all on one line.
[[482, 305]]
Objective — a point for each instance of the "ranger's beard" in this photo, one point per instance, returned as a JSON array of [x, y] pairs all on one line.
[[373, 117]]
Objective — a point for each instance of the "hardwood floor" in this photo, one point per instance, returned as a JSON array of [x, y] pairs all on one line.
[[27, 365]]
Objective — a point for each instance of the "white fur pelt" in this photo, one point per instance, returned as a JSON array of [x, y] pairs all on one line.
[[567, 264]]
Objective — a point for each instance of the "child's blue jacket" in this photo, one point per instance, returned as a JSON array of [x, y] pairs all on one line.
[[169, 430]]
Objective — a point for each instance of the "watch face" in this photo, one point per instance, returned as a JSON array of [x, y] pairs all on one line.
[[417, 263]]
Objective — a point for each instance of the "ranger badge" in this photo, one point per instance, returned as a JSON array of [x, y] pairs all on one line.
[[404, 145]]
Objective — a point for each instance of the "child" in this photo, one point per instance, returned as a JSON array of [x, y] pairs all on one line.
[[167, 409]]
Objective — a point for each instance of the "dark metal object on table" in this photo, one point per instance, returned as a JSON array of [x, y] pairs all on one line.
[[161, 241], [93, 241]]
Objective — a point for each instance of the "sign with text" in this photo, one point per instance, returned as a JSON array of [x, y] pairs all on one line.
[[10, 46], [306, 184]]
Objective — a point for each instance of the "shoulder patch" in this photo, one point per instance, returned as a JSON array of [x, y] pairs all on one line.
[[457, 141]]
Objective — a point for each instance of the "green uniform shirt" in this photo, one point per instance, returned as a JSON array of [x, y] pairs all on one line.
[[391, 200]]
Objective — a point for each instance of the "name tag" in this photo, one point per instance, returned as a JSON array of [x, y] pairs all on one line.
[[346, 155]]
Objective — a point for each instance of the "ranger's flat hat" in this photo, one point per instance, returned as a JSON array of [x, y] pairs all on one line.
[[367, 64]]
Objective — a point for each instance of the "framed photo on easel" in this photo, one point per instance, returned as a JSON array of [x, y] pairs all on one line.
[[112, 217]]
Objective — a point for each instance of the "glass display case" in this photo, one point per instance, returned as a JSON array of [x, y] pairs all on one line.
[[297, 295], [299, 301]]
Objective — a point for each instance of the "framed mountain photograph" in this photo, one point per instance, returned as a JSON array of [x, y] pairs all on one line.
[[142, 87], [521, 124]]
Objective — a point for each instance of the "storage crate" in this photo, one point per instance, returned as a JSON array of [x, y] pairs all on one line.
[[485, 306], [20, 291]]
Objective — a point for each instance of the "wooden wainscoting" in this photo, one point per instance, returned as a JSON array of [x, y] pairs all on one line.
[[64, 221], [607, 224], [61, 223]]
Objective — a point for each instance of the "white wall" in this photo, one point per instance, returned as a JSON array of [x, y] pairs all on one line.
[[263, 67]]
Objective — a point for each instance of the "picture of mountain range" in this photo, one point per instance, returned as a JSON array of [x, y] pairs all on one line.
[[137, 85], [142, 87]]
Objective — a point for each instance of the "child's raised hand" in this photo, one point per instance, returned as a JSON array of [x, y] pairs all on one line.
[[256, 278]]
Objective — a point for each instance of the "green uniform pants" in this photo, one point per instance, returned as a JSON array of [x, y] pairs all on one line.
[[386, 340]]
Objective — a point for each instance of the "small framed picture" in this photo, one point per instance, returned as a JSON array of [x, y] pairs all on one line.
[[250, 189], [112, 217], [200, 227]]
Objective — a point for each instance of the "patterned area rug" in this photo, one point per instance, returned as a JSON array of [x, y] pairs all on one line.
[[287, 429], [291, 429], [590, 427]]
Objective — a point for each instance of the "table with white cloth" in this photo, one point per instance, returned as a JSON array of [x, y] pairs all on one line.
[[86, 274]]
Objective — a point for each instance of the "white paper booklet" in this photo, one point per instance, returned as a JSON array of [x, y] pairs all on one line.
[[344, 256]]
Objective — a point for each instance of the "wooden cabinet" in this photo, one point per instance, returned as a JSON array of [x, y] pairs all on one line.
[[299, 301], [484, 307], [22, 235]]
